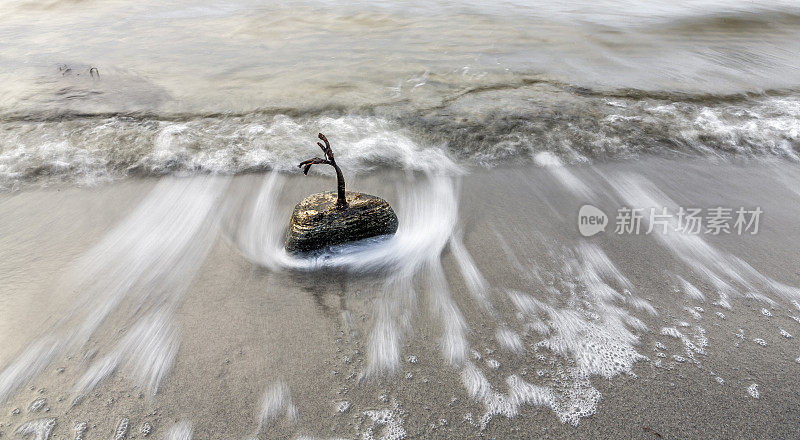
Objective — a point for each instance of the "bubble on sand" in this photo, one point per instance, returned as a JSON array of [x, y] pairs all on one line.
[[760, 342], [719, 380], [720, 315], [122, 429], [694, 345], [752, 390], [766, 313], [786, 334], [387, 422], [695, 314], [412, 359], [40, 428], [343, 406], [37, 404], [493, 364], [145, 429], [80, 429]]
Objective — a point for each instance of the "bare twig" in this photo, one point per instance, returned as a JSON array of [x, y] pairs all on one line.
[[341, 200]]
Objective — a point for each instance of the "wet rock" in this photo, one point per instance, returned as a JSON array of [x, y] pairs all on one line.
[[317, 223]]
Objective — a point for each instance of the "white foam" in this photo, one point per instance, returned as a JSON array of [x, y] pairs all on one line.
[[693, 346], [594, 334], [695, 314], [571, 403], [390, 422], [80, 429]]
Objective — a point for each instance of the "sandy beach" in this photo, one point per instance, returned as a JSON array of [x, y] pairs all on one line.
[[238, 343]]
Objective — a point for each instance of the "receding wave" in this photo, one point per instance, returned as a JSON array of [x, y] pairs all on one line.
[[483, 127]]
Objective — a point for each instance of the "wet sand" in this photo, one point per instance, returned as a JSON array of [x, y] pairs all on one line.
[[399, 351]]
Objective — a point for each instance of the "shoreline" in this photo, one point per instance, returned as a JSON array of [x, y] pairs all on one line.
[[243, 330]]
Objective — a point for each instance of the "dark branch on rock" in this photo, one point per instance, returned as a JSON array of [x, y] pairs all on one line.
[[341, 200]]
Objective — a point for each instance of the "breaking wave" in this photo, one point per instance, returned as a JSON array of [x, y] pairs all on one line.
[[470, 130]]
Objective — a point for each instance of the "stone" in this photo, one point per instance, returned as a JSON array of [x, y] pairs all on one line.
[[317, 224]]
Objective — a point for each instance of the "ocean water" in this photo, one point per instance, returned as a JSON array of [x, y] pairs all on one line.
[[240, 86]]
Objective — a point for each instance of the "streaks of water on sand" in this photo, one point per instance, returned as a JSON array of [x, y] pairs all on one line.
[[718, 267], [509, 340], [427, 216], [476, 283], [691, 291], [590, 333], [140, 269], [40, 428], [29, 364], [428, 213], [454, 339], [149, 348], [179, 431], [153, 254], [393, 313], [555, 166], [277, 400]]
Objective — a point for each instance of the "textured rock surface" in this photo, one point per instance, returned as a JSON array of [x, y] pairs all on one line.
[[316, 223]]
